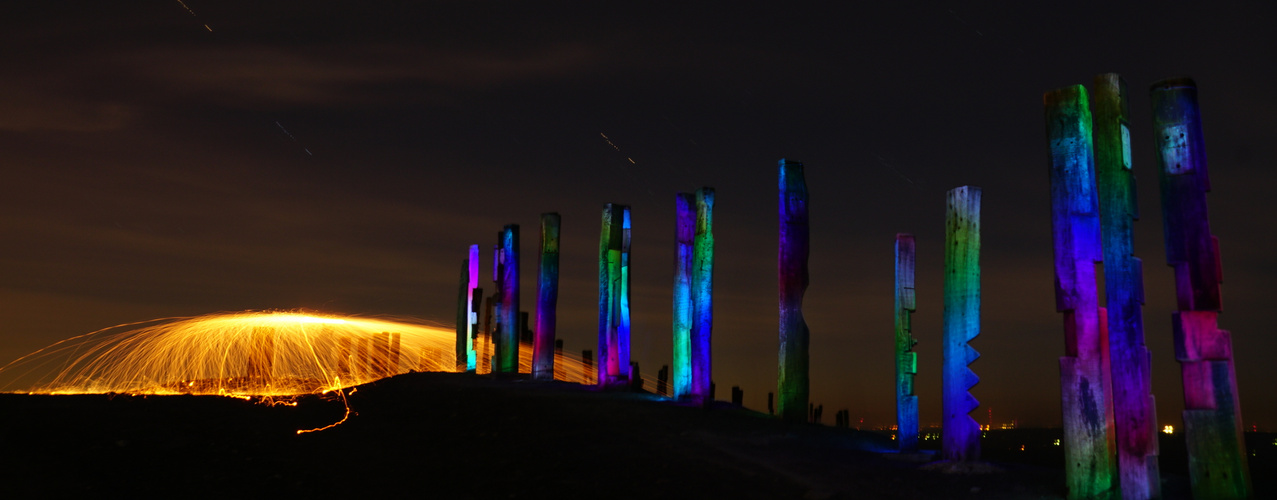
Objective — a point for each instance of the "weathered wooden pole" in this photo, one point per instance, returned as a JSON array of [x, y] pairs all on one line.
[[703, 297], [486, 334], [1134, 411], [547, 299], [623, 303], [610, 242], [1085, 384], [961, 436], [507, 358], [793, 383], [465, 310], [1212, 408], [906, 358], [685, 237]]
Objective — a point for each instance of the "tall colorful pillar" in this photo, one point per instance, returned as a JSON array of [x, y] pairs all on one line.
[[685, 237], [1134, 411], [466, 310], [1212, 409], [1085, 387], [507, 355], [702, 296], [611, 240], [623, 301], [547, 299], [960, 440], [794, 384], [906, 358]]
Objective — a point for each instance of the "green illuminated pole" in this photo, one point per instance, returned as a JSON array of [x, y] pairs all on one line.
[[547, 299], [507, 356], [1134, 411], [703, 297]]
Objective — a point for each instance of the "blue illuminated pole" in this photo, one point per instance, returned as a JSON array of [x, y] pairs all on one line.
[[960, 440], [547, 299], [685, 238], [794, 249], [507, 356], [1085, 383]]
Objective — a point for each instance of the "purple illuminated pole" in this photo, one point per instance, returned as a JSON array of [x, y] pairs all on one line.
[[1212, 409], [906, 358], [793, 278], [547, 299], [611, 239], [1085, 387], [1134, 411], [507, 356], [702, 297], [466, 310], [685, 237], [960, 440]]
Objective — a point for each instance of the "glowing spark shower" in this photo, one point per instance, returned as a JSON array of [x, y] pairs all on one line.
[[248, 354], [254, 353]]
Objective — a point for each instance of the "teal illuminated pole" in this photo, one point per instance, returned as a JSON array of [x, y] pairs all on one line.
[[960, 440], [685, 237], [507, 356], [1134, 411], [624, 368], [1212, 408], [1090, 465], [547, 299], [702, 297], [906, 358], [794, 248]]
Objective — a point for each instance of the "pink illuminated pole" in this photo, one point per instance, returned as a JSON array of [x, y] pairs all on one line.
[[1085, 387], [1212, 408]]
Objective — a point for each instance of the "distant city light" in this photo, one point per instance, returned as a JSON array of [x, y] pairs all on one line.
[[1057, 442], [1168, 429]]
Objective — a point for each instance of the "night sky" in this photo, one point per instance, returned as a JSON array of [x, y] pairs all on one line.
[[163, 159]]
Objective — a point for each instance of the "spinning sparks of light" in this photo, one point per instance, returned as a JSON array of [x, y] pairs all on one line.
[[253, 353]]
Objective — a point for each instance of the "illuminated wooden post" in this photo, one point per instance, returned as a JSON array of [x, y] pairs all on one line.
[[906, 358], [1085, 387], [466, 310], [685, 237], [703, 297], [1134, 412], [559, 371], [507, 279], [961, 436], [793, 278], [485, 335], [547, 299], [610, 245], [1212, 408], [623, 303]]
